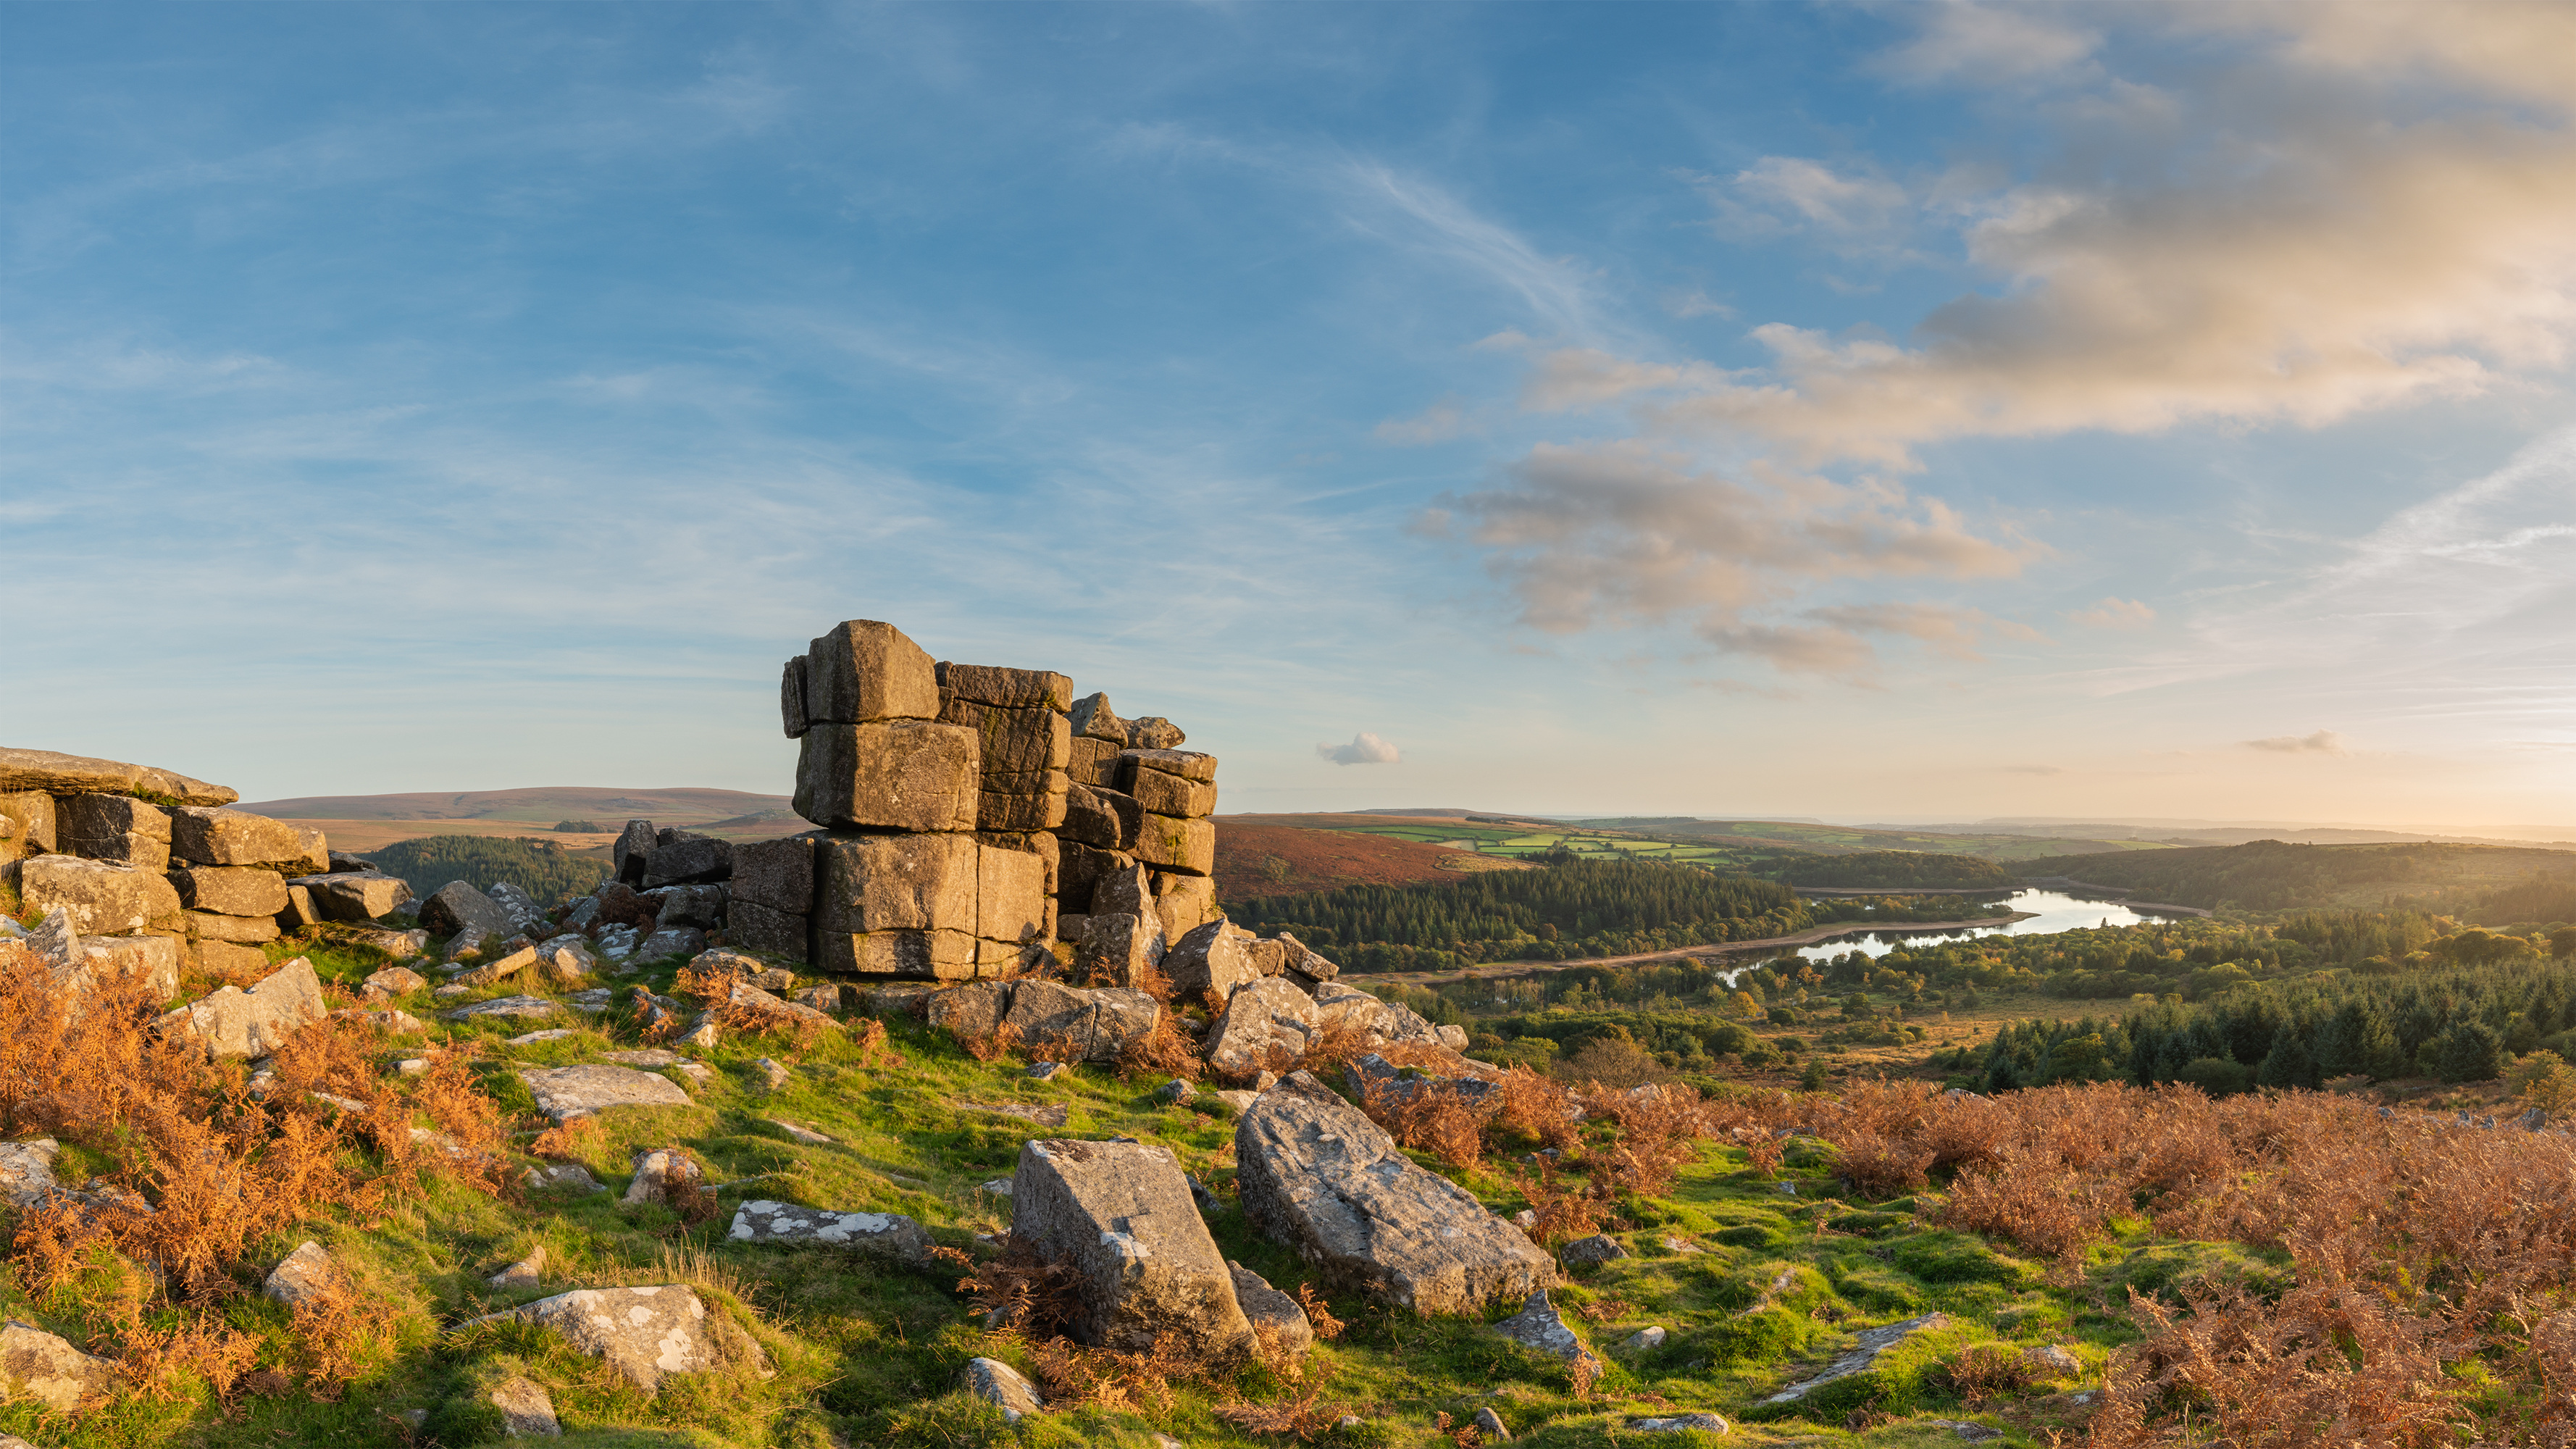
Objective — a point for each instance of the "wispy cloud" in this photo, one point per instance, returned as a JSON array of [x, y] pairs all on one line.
[[2323, 742], [2114, 613], [1412, 211]]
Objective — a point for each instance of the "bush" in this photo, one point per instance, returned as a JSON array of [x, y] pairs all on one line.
[[2468, 1052], [2217, 1076]]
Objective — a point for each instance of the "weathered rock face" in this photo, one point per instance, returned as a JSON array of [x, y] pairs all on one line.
[[241, 930], [633, 849], [1184, 903], [101, 898], [527, 1410], [664, 944], [701, 905], [1275, 1317], [1010, 894], [307, 1275], [862, 671], [1166, 794], [970, 1012], [1101, 818], [1864, 1353], [1119, 948], [109, 961], [355, 895], [642, 1333], [1121, 1213], [1313, 1171], [1267, 1026], [685, 856], [769, 932], [1169, 843], [47, 1368], [1210, 960], [205, 836], [57, 774], [114, 828], [254, 1023], [885, 1235], [1004, 1387], [897, 775], [868, 883], [1093, 1025], [565, 1093], [230, 890], [33, 822], [778, 874]]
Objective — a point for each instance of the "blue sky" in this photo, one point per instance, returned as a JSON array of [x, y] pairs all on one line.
[[1868, 411]]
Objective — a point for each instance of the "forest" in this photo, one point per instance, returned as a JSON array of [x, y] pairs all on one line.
[[1900, 870], [2266, 875], [542, 868]]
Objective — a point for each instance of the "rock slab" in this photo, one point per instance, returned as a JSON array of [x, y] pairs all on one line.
[[641, 1333], [48, 1369], [884, 1235], [1121, 1214], [565, 1093]]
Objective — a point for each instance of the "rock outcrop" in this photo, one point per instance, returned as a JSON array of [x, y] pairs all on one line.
[[885, 1235], [49, 1370], [565, 1093], [1121, 1214], [237, 1023], [641, 1333], [1313, 1172]]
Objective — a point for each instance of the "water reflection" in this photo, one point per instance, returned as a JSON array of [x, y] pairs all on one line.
[[2051, 911]]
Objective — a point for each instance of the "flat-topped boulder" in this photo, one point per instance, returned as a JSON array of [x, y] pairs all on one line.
[[1122, 1215], [101, 897], [641, 1333], [357, 896], [565, 1093], [60, 774], [203, 835], [885, 1235], [1312, 1171], [236, 1023], [1094, 1025]]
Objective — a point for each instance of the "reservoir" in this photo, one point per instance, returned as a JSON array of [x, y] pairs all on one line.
[[2050, 911]]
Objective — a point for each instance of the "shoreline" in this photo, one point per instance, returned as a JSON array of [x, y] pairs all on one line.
[[1507, 970]]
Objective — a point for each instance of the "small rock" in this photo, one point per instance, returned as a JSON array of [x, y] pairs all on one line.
[[772, 1075], [27, 1170], [1679, 1423], [887, 1235], [1785, 1189], [1275, 1316], [527, 1412], [564, 1177], [1000, 1384], [523, 1273], [1045, 1071], [1599, 1248], [2051, 1361], [391, 982], [1237, 1100], [705, 1036], [557, 1033], [806, 1135], [536, 1006], [411, 1066], [1490, 1424], [1644, 1338], [1865, 1352], [597, 999], [1683, 1246], [1967, 1432], [1049, 1114], [999, 1187], [665, 1176], [1175, 1093], [1525, 1220], [401, 945], [564, 1093], [1348, 1421], [1540, 1328], [306, 1275], [642, 1333]]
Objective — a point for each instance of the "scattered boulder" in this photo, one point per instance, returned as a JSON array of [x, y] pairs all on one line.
[[1679, 1424], [391, 982], [665, 1175], [522, 908], [1649, 1337], [1490, 1424], [237, 1023], [702, 906], [1121, 1214], [523, 1273], [664, 944], [2051, 1361], [565, 1093], [1176, 1092], [1210, 961], [773, 1074], [49, 1370], [1267, 1025], [1003, 1386], [1119, 947], [1864, 1353], [562, 1177], [641, 1333], [1314, 1172], [27, 1170], [307, 1275], [884, 1235], [567, 959], [1599, 1248], [495, 969], [1278, 1320], [527, 1411], [970, 1012], [401, 945], [1303, 960], [1541, 1329], [457, 908], [1096, 1024], [522, 1006]]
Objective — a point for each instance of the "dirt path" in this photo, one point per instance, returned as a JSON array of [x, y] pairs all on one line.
[[1506, 970]]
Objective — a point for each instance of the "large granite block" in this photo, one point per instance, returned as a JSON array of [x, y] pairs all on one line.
[[1009, 688], [778, 874], [1168, 843], [863, 671], [900, 775], [115, 828], [872, 883]]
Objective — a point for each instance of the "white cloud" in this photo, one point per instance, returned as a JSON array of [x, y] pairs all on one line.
[[1364, 749], [1780, 196], [2115, 613], [2323, 742], [1988, 42]]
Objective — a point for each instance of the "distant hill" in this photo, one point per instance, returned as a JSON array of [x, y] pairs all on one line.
[[1847, 839], [1281, 860], [538, 805], [2216, 832], [2266, 875]]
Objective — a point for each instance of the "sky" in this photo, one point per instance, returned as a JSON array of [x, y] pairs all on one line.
[[1925, 412]]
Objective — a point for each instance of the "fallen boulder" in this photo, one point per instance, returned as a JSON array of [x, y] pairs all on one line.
[[1004, 1387], [1121, 1214], [565, 1093], [1539, 1328], [641, 1333], [1209, 961], [884, 1235], [391, 982], [665, 1175], [527, 1410], [307, 1275], [527, 1006], [1313, 1172], [1266, 1027], [457, 908], [1278, 1320], [1094, 1025], [237, 1023]]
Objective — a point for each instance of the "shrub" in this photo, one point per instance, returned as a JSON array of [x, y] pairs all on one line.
[[2217, 1076]]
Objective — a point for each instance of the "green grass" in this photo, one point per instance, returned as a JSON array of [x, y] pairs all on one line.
[[860, 1353]]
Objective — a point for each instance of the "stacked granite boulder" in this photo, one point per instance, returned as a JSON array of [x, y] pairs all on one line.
[[153, 874]]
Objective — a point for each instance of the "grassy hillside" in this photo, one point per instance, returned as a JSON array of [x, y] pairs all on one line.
[[2272, 875], [1278, 860]]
